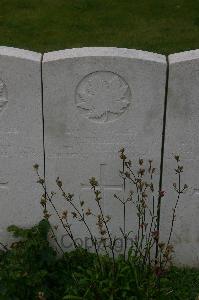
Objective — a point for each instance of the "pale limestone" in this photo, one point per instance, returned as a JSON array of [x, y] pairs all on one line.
[[182, 138], [20, 138], [85, 127]]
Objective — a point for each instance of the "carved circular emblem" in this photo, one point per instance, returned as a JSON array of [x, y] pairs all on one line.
[[103, 96], [3, 95]]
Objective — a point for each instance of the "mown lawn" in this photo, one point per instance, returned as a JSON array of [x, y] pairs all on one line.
[[163, 26]]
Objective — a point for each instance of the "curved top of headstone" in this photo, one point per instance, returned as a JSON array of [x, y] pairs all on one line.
[[184, 56], [20, 53], [103, 51]]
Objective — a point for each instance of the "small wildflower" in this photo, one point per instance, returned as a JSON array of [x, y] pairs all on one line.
[[161, 193], [64, 214], [141, 171], [141, 161], [121, 150], [177, 158], [43, 201], [127, 174], [144, 195], [41, 181], [103, 232], [122, 155], [161, 245], [74, 214], [98, 195], [81, 203], [46, 215], [130, 198], [141, 185], [88, 212], [64, 195], [70, 197], [143, 225], [169, 248], [168, 251], [152, 187], [179, 169], [155, 234], [144, 204], [93, 182], [59, 182], [36, 166]]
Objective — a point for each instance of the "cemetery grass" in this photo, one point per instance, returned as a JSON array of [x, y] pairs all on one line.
[[165, 26], [32, 270]]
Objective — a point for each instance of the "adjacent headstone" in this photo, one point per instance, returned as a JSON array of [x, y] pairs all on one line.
[[182, 137], [20, 138], [96, 101]]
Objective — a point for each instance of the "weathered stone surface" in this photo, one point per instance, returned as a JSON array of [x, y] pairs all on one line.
[[97, 100], [182, 138], [20, 137]]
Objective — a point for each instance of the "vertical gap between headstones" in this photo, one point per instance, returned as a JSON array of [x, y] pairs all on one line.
[[163, 137], [42, 103]]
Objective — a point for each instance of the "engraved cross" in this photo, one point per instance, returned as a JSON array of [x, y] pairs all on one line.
[[103, 186]]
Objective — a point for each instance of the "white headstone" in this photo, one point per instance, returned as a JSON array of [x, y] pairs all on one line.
[[20, 137], [182, 137], [96, 101]]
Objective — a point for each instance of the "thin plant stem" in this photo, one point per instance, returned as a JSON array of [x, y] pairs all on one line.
[[174, 210], [124, 208], [82, 217], [49, 199], [4, 246], [109, 235]]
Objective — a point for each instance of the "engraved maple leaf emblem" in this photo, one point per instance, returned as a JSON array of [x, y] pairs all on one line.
[[3, 100], [102, 97]]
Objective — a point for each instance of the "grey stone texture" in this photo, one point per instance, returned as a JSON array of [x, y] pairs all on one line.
[[20, 138], [182, 138], [96, 101]]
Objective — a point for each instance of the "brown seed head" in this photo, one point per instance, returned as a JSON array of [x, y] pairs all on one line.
[[141, 161], [59, 182], [36, 166]]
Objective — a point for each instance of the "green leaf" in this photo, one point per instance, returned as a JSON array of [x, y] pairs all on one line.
[[71, 297]]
